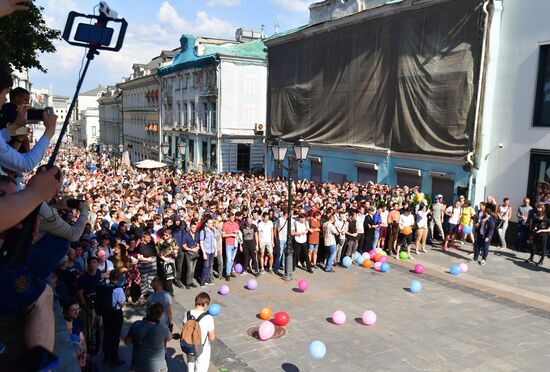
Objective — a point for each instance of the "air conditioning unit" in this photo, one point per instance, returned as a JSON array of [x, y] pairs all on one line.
[[259, 127]]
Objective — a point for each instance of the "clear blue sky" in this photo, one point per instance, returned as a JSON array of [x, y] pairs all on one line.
[[155, 25]]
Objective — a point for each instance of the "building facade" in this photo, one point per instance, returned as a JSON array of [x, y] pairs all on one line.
[[110, 118], [141, 109], [382, 91], [85, 130], [213, 99]]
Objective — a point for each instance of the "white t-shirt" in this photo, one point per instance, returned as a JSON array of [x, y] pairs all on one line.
[[455, 218], [384, 218], [405, 221], [119, 298], [301, 231], [360, 218], [101, 266], [265, 229], [282, 226], [206, 324]]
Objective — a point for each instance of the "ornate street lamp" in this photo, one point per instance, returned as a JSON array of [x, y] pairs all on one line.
[[165, 148]]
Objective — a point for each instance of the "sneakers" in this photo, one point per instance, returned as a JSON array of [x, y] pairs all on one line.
[[262, 271], [233, 275], [482, 262], [187, 286], [203, 284], [471, 254], [193, 285], [210, 283], [270, 271], [227, 279]]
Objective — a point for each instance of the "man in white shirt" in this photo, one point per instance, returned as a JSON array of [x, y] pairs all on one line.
[[265, 230], [208, 334], [299, 231], [453, 212], [341, 225], [281, 227]]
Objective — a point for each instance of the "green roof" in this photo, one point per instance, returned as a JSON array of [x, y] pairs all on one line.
[[251, 49]]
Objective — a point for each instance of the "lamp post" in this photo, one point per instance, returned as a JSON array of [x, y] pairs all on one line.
[[182, 147], [121, 152], [279, 150]]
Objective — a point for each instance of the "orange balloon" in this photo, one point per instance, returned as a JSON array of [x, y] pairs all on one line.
[[266, 313], [367, 264], [407, 230], [377, 257]]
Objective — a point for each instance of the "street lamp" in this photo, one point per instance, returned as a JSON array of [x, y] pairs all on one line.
[[279, 150], [165, 148], [182, 147], [121, 148]]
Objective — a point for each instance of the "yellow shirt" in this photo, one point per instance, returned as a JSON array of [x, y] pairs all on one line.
[[466, 216]]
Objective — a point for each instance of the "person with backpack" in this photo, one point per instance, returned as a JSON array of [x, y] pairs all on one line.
[[197, 334], [149, 337], [110, 301]]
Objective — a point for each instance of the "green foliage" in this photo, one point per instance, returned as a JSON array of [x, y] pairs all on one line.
[[23, 35]]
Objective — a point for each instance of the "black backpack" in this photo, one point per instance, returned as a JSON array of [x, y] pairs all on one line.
[[104, 299]]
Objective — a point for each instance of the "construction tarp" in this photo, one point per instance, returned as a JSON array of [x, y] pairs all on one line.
[[405, 81]]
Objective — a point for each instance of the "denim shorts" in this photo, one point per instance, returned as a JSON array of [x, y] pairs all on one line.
[[313, 247]]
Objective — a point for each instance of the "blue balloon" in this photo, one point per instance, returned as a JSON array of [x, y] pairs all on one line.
[[467, 229], [356, 255], [385, 267], [359, 260], [346, 261], [317, 349], [214, 309], [416, 286], [455, 270]]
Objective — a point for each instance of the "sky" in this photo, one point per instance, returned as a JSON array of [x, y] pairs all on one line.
[[153, 26]]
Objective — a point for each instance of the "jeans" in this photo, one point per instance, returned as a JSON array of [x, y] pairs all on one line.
[[230, 252], [502, 234], [190, 265], [46, 254], [279, 256], [207, 267], [375, 240], [299, 250], [219, 260], [340, 243], [481, 245], [179, 265], [351, 247], [331, 255]]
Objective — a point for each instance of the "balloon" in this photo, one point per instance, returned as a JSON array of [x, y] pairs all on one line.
[[463, 267], [266, 313], [460, 228], [467, 229], [281, 318], [356, 255], [317, 349], [383, 259], [238, 268], [214, 309], [377, 250], [252, 284], [346, 261], [419, 269], [369, 317], [224, 290], [385, 267], [377, 257], [360, 260], [266, 330], [416, 286], [303, 285], [383, 253], [403, 255], [372, 253], [455, 270], [339, 317], [367, 263], [377, 266], [407, 230], [366, 255]]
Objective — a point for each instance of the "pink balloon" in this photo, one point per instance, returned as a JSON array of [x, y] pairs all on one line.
[[303, 285], [366, 255], [463, 267], [372, 253], [378, 250], [369, 317], [419, 269], [383, 259], [377, 266], [266, 330], [339, 317]]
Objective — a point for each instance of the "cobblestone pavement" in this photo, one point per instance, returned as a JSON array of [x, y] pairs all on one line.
[[492, 318]]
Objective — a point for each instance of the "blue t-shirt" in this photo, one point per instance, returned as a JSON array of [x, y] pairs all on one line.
[[148, 345], [190, 241], [88, 283]]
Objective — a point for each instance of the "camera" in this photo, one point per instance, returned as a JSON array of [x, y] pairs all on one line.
[[74, 203], [37, 114]]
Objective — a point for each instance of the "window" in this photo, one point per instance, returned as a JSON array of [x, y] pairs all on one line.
[[205, 153], [191, 151], [94, 131], [185, 118], [243, 157], [542, 100], [213, 117], [192, 114], [538, 188], [178, 114], [248, 114], [213, 155], [249, 87], [205, 117]]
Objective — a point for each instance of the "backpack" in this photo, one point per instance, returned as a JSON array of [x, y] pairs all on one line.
[[191, 336], [104, 299]]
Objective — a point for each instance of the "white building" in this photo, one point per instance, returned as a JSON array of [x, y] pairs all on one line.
[[140, 109], [85, 129], [513, 158], [214, 99], [110, 118]]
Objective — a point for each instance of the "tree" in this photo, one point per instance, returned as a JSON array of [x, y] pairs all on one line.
[[23, 35]]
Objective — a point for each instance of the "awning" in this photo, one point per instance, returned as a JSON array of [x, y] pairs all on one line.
[[150, 164]]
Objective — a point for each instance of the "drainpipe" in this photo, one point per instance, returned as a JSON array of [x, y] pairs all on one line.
[[219, 165]]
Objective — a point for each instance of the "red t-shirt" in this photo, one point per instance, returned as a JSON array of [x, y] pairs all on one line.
[[314, 236], [230, 228]]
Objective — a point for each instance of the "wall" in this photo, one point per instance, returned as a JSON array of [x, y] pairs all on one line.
[[524, 26]]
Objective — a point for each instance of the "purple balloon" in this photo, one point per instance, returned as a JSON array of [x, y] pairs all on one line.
[[252, 284], [238, 268], [224, 290]]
